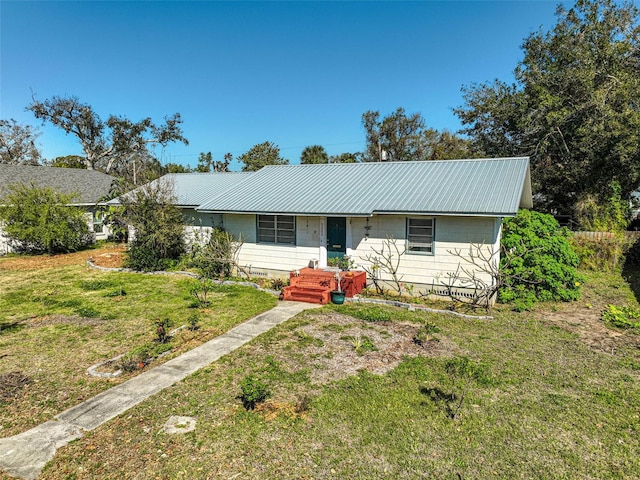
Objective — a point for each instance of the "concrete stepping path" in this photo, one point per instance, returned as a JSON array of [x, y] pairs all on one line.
[[24, 455]]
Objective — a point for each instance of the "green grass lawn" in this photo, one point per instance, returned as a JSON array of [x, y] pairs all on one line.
[[57, 322], [551, 393]]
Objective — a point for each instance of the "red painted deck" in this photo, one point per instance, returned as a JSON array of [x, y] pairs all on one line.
[[315, 285]]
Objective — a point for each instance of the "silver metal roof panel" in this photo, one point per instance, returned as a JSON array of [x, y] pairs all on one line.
[[492, 187]]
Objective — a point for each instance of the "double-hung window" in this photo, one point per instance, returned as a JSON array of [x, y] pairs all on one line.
[[277, 229], [420, 234]]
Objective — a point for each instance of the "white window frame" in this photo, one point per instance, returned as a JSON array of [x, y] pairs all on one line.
[[419, 242]]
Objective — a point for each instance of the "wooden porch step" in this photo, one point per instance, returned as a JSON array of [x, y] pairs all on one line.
[[307, 294]]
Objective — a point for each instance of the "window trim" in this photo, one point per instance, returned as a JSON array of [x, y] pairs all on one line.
[[276, 230], [433, 237]]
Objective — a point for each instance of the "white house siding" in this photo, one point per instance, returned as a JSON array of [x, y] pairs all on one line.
[[199, 225], [451, 233], [267, 256]]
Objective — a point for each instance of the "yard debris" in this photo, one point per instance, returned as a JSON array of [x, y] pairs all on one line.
[[11, 384]]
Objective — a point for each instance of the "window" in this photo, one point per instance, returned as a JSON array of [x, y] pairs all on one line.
[[98, 221], [420, 235], [277, 229]]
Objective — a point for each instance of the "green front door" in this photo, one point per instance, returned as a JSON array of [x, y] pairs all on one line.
[[336, 237]]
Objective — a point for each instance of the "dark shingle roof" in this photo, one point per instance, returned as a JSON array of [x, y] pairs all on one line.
[[90, 186]]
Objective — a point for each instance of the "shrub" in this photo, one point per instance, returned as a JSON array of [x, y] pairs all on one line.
[[158, 224], [621, 317], [603, 254], [254, 391], [39, 220], [538, 263], [424, 335], [218, 256]]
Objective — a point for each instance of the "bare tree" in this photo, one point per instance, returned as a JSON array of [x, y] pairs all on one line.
[[18, 144], [385, 261], [106, 144]]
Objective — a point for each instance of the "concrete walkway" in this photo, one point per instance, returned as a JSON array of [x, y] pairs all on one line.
[[24, 455]]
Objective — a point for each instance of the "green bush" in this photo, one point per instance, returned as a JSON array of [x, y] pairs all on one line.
[[254, 391], [621, 317], [39, 220], [537, 262], [158, 224]]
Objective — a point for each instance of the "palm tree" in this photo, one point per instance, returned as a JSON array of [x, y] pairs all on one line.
[[314, 154]]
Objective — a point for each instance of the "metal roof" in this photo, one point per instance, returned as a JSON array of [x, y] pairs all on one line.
[[487, 187], [91, 186], [193, 189]]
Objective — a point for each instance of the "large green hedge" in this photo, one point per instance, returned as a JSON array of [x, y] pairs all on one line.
[[41, 220], [538, 262]]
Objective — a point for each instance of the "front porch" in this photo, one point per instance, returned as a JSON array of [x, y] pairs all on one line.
[[314, 285]]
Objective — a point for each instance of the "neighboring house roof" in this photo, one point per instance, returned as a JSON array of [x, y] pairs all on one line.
[[193, 189], [487, 187], [90, 186]]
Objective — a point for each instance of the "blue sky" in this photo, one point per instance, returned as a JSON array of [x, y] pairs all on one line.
[[241, 73]]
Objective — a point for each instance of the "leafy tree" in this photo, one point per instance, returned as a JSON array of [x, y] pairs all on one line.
[[573, 108], [314, 154], [397, 137], [107, 145], [261, 155], [158, 224], [346, 158], [206, 163], [18, 144], [401, 137], [177, 168], [68, 161], [39, 219], [448, 146]]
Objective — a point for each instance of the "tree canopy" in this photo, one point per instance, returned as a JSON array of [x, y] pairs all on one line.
[[401, 137], [207, 164], [574, 107], [18, 144], [112, 144], [314, 154], [261, 155]]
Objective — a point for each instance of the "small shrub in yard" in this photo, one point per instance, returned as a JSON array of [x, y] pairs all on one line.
[[140, 356], [278, 283], [193, 322], [162, 330], [361, 344], [158, 225], [254, 391], [200, 290], [461, 372], [621, 317], [424, 335]]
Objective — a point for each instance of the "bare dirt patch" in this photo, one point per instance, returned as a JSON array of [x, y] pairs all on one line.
[[587, 324], [107, 256], [110, 259], [329, 346], [11, 384]]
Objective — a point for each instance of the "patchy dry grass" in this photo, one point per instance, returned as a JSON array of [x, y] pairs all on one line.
[[60, 319], [551, 403], [550, 406]]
